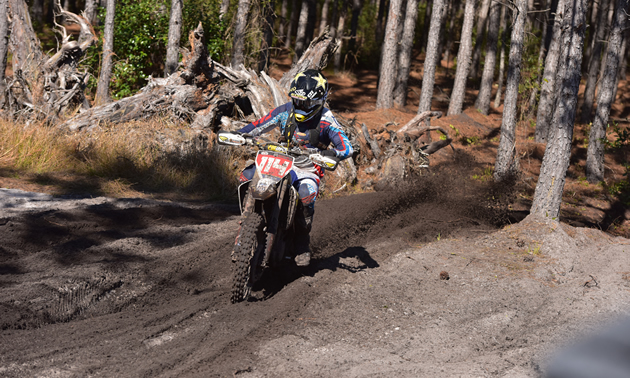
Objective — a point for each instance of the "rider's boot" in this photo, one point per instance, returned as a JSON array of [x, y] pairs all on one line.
[[303, 225]]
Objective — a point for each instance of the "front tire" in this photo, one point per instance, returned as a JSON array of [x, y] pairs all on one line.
[[247, 258]]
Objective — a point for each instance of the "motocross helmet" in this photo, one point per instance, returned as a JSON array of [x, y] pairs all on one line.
[[308, 93]]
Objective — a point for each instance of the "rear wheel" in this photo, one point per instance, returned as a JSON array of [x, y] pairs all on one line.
[[247, 258]]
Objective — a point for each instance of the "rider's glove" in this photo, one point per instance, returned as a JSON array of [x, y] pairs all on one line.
[[331, 153]]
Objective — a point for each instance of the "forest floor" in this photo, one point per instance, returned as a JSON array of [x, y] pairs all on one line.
[[435, 278]]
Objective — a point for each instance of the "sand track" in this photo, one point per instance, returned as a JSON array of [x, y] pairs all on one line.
[[142, 289]]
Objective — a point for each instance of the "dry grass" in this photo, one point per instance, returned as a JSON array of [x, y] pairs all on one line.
[[154, 158]]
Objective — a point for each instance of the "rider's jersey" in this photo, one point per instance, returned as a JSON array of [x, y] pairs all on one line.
[[329, 130]]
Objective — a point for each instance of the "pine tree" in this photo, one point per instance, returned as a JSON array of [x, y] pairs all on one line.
[[389, 55], [505, 165], [464, 54], [102, 89], [174, 36], [548, 193], [605, 96], [431, 60], [485, 89]]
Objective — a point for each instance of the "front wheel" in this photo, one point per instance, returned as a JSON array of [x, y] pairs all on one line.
[[247, 258]]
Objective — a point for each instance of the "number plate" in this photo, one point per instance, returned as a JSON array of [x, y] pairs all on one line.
[[273, 164]]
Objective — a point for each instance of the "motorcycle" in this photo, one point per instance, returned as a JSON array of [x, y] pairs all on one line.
[[268, 204]]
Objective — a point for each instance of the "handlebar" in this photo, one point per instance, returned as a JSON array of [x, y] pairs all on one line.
[[239, 139]]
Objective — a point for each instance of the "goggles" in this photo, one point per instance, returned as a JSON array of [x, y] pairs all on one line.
[[306, 105]]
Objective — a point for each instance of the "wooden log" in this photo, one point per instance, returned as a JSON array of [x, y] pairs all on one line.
[[415, 122], [376, 150]]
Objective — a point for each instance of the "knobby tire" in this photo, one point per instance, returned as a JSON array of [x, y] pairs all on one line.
[[245, 251]]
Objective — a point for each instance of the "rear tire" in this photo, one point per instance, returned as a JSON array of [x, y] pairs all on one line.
[[247, 257]]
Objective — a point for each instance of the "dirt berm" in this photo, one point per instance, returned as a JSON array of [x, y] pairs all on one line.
[[408, 283]]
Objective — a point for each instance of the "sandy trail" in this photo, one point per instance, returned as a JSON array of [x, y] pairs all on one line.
[[141, 288]]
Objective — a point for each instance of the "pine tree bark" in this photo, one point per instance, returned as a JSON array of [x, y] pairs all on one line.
[[292, 27], [240, 24], [425, 25], [487, 77], [300, 39], [283, 20], [605, 96], [310, 25], [354, 24], [102, 89], [225, 6], [431, 59], [464, 54], [548, 193], [4, 46], [497, 97], [404, 55], [593, 15], [379, 20], [506, 165], [263, 59], [389, 55], [334, 20], [548, 85], [481, 26], [343, 13], [323, 22], [37, 10], [91, 11], [594, 63], [174, 36]]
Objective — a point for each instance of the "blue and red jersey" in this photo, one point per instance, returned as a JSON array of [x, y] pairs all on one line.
[[329, 129]]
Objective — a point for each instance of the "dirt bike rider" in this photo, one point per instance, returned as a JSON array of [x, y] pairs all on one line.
[[304, 122]]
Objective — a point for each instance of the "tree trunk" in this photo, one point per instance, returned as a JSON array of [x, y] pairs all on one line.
[[102, 90], [533, 95], [404, 55], [497, 98], [283, 21], [505, 165], [38, 11], [595, 152], [425, 25], [387, 74], [91, 11], [594, 64], [621, 72], [379, 20], [548, 194], [263, 60], [240, 24], [323, 22], [452, 13], [343, 13], [300, 39], [27, 55], [4, 46], [589, 39], [292, 23], [485, 89], [354, 24], [456, 104], [481, 25], [312, 19], [333, 20], [174, 36], [548, 84], [431, 59], [225, 6]]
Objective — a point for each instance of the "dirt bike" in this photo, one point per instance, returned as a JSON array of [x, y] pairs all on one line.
[[268, 206]]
